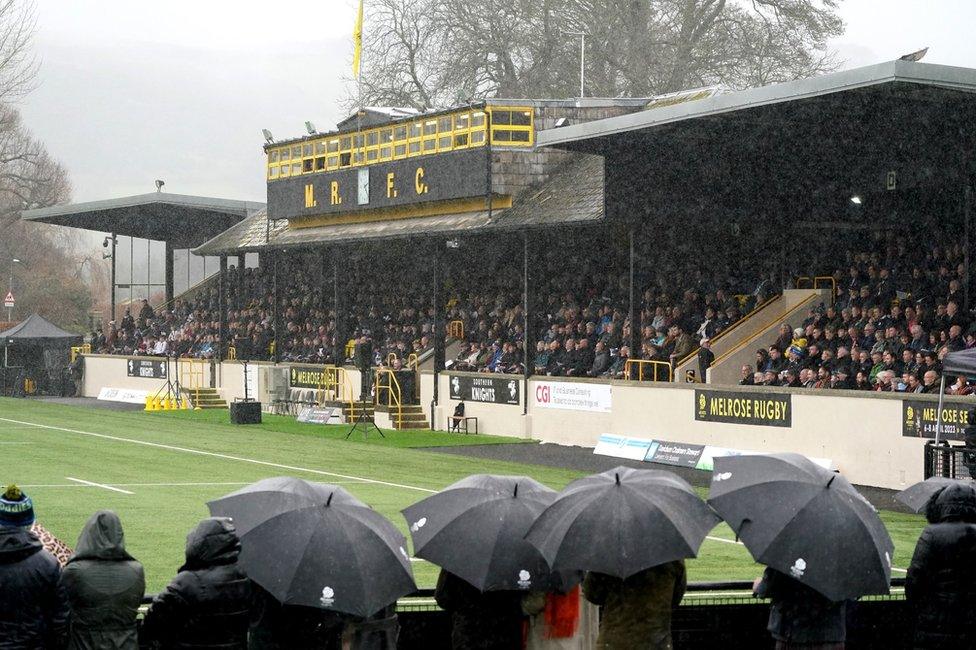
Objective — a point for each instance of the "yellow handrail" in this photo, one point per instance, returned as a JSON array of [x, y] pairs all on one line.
[[392, 392], [455, 329], [390, 358], [336, 381], [350, 348], [80, 349], [833, 285], [413, 361], [783, 319], [231, 353], [191, 373], [727, 330], [640, 363], [801, 279]]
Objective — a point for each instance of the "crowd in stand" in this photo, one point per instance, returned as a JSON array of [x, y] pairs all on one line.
[[896, 313], [894, 320]]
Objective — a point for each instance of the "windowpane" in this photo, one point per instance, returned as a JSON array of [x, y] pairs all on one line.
[[501, 136], [273, 156], [273, 172], [478, 118], [522, 118], [319, 148], [372, 138], [385, 151], [371, 154], [400, 133], [284, 170], [332, 162], [430, 144], [320, 163], [285, 154], [386, 135], [477, 137], [357, 157], [346, 143], [444, 142], [345, 159], [416, 128], [462, 121], [430, 127], [444, 124], [461, 140], [307, 165], [501, 117], [357, 140], [307, 150], [296, 151], [520, 136], [296, 168], [415, 146], [333, 146], [400, 150]]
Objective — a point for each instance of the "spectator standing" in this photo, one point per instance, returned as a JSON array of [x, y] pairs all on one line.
[[480, 620], [705, 359], [800, 617], [941, 582], [206, 606], [33, 605], [637, 610], [105, 586]]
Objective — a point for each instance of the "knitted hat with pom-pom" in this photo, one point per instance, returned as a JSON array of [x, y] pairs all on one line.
[[16, 508]]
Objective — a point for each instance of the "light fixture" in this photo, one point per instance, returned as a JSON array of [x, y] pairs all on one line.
[[310, 128], [856, 200], [15, 260], [159, 185], [267, 136], [561, 122]]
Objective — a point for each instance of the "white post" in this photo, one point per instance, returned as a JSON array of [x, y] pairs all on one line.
[[938, 416], [582, 60]]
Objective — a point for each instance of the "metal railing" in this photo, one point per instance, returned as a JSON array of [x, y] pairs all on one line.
[[413, 361], [393, 395], [231, 353], [390, 358], [337, 385], [640, 363], [949, 461], [79, 349], [455, 329], [731, 328], [192, 373], [350, 349], [818, 282]]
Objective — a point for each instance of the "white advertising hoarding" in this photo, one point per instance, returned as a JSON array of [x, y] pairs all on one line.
[[572, 396]]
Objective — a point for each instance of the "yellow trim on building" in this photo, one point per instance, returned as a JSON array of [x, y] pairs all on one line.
[[457, 206]]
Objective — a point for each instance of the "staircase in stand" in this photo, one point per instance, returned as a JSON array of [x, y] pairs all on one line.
[[413, 416], [209, 398]]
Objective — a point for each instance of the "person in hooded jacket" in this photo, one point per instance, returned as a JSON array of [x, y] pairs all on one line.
[[941, 584], [33, 606], [799, 617], [105, 586], [207, 605]]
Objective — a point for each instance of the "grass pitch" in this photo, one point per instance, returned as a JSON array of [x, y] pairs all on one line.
[[158, 470]]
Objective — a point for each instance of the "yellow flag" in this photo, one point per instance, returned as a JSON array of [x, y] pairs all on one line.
[[357, 40]]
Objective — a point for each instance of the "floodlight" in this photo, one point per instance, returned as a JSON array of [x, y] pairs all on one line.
[[159, 185], [310, 128], [267, 136], [856, 200]]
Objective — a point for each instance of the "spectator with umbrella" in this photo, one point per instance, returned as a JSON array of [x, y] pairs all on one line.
[[822, 542], [941, 582], [637, 573], [315, 545], [474, 530]]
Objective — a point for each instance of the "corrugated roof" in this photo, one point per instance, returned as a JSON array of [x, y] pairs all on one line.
[[573, 193], [248, 235]]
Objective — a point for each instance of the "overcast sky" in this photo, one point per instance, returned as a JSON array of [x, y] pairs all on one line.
[[134, 91]]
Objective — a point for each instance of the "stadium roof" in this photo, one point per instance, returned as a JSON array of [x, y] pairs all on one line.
[[573, 195], [182, 220]]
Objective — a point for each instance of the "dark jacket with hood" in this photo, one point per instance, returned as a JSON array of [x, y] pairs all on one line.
[[105, 586], [941, 582], [480, 621], [207, 603], [33, 606]]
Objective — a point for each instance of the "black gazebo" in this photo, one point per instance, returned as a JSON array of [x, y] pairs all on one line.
[[38, 350]]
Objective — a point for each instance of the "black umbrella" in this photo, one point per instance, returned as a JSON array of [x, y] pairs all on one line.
[[476, 529], [918, 495], [337, 554], [805, 521], [256, 503], [622, 521]]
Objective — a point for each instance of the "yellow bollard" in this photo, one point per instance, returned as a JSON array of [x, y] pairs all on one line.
[[149, 403]]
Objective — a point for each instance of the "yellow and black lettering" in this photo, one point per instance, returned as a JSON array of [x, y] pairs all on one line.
[[419, 183], [334, 198], [391, 192], [310, 196]]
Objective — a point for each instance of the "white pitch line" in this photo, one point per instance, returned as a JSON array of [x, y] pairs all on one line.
[[125, 485], [101, 485], [213, 454], [725, 541], [894, 568]]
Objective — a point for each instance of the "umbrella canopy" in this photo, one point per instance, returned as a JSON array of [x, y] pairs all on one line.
[[960, 362], [804, 521], [338, 554], [622, 521], [256, 503], [476, 529], [917, 496]]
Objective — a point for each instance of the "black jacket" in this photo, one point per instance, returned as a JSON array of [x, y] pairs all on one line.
[[480, 621], [941, 582], [800, 615], [207, 603], [33, 606]]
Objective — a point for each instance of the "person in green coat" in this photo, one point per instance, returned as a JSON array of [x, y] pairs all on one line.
[[105, 586], [637, 610]]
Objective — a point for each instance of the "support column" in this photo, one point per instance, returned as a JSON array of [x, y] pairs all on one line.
[[339, 350], [528, 318], [114, 242], [967, 210], [170, 264], [275, 307], [222, 341], [635, 333], [437, 301]]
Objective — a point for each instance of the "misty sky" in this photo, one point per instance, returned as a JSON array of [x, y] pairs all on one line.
[[134, 91]]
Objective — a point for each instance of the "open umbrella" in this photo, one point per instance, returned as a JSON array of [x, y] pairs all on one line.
[[918, 495], [338, 554], [622, 521], [805, 521], [476, 529]]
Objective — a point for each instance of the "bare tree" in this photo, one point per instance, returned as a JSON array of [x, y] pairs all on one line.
[[439, 52]]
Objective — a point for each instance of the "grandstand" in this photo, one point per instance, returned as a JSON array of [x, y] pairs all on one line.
[[577, 252]]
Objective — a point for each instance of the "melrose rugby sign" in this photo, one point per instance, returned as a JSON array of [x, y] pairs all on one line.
[[769, 409]]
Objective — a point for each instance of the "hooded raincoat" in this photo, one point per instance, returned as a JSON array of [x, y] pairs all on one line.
[[941, 582], [105, 586], [33, 608], [207, 605]]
